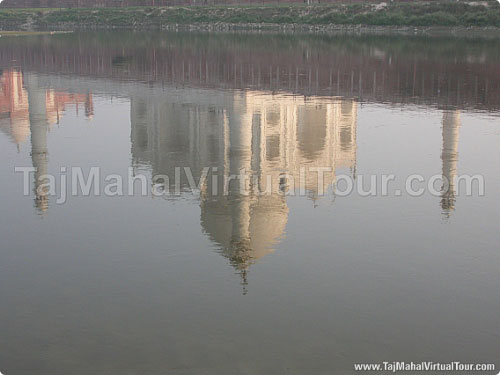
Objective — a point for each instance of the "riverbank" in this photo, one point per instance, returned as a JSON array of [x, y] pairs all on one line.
[[319, 17]]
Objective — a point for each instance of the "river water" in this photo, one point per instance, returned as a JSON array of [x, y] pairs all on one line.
[[303, 279]]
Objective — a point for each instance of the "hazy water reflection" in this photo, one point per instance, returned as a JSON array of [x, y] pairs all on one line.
[[127, 284]]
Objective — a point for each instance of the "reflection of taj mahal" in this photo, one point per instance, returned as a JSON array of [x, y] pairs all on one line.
[[268, 136]]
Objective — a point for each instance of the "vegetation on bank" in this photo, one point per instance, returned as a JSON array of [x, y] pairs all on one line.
[[435, 13]]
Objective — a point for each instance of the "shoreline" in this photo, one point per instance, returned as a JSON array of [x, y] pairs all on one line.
[[432, 31], [31, 33], [471, 32]]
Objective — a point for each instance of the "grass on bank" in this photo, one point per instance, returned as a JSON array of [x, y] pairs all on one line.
[[436, 13]]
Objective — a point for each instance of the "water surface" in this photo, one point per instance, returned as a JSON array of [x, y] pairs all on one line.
[[208, 283]]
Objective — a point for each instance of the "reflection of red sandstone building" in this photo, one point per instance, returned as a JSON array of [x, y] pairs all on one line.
[[56, 104], [15, 111], [14, 116]]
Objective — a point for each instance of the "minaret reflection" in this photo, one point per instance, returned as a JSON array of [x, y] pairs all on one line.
[[39, 127], [267, 137], [449, 156]]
